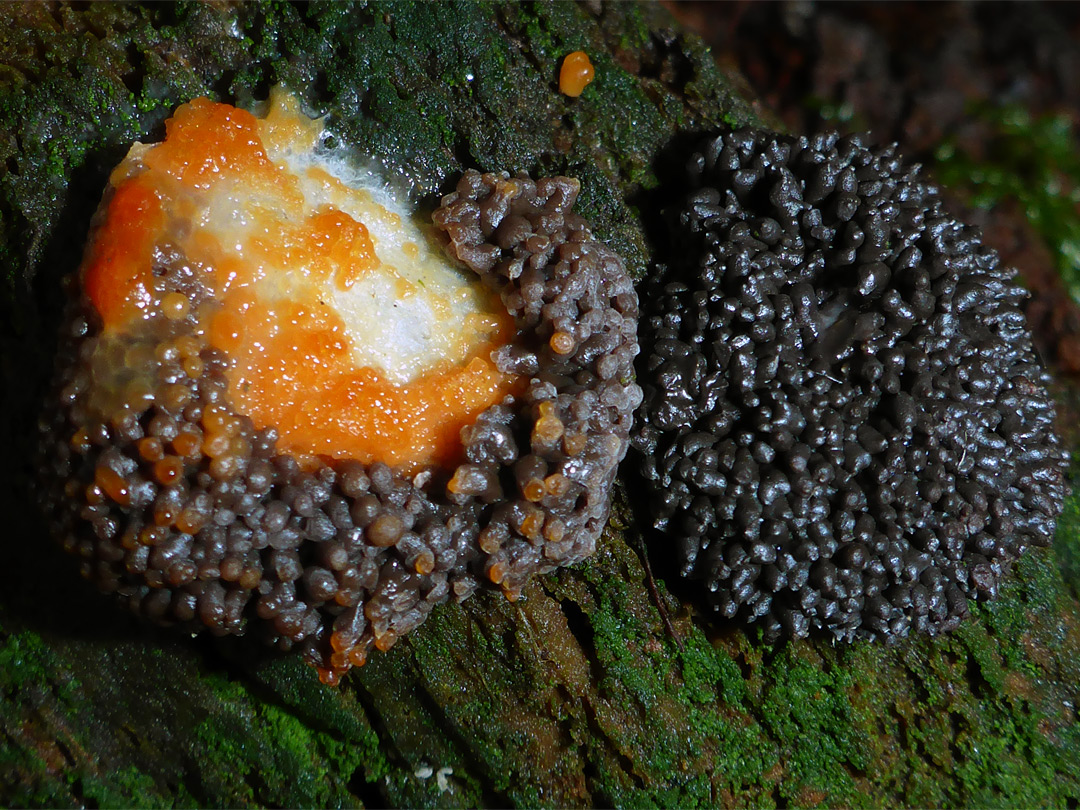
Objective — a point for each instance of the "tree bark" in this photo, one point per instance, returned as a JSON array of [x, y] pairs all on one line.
[[598, 687]]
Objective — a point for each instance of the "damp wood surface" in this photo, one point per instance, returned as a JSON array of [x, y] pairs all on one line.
[[576, 695]]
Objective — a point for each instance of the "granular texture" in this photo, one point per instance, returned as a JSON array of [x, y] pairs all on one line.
[[177, 503], [845, 426]]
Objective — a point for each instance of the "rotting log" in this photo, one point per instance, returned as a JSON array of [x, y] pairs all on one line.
[[578, 694]]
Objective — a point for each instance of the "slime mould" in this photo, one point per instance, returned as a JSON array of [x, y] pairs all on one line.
[[575, 74], [845, 426], [280, 409]]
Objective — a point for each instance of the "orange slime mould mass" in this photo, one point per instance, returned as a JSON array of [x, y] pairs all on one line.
[[345, 330], [575, 74]]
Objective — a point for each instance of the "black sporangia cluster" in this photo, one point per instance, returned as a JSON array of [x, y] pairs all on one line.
[[845, 426]]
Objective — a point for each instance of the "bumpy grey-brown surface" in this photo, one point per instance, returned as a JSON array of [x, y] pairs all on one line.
[[845, 425], [577, 311], [188, 513]]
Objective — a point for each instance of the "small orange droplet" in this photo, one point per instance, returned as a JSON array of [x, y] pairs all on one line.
[[557, 485], [168, 470], [190, 521], [175, 306], [562, 343], [386, 641], [547, 429], [250, 579], [176, 396], [113, 485], [215, 419], [575, 74], [530, 526], [187, 444], [339, 661], [193, 367], [165, 515], [533, 490], [150, 449], [80, 442], [489, 540], [130, 539], [151, 535], [425, 563], [340, 643], [574, 443]]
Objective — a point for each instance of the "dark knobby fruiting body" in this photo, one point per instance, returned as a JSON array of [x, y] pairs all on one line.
[[845, 427], [158, 475]]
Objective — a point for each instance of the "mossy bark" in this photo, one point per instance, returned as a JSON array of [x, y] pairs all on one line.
[[581, 693]]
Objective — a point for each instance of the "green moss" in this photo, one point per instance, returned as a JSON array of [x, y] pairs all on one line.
[[708, 674], [245, 751], [32, 673], [26, 660], [126, 787], [272, 755], [806, 708], [1067, 541], [1034, 161], [1009, 758], [636, 133], [29, 777], [694, 697], [832, 712], [1012, 738], [467, 702], [634, 34]]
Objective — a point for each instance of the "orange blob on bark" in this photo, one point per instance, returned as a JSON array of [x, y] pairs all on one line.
[[575, 74]]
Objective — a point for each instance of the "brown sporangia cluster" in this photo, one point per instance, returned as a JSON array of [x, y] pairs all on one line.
[[191, 516]]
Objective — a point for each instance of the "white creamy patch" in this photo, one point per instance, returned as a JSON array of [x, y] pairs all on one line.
[[416, 309]]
